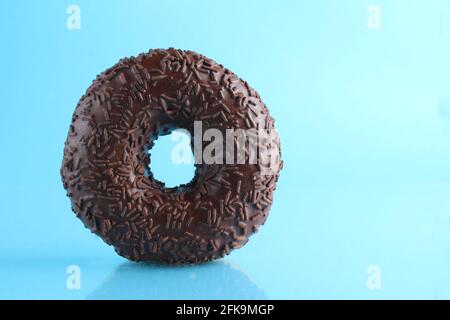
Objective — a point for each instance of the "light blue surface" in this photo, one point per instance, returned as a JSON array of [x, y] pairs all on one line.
[[364, 120]]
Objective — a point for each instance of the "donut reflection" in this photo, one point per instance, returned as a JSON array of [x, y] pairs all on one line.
[[214, 280]]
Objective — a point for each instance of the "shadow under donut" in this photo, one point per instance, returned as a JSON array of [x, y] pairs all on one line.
[[214, 280]]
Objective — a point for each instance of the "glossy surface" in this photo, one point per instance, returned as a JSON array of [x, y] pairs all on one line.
[[364, 120]]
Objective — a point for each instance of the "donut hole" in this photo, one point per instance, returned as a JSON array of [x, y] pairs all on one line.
[[172, 160]]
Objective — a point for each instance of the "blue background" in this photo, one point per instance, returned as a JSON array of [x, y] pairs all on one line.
[[364, 119]]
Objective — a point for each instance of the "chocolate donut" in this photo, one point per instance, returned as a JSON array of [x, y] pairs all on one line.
[[106, 165]]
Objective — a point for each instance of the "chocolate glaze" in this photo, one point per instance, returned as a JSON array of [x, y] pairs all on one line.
[[105, 168]]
